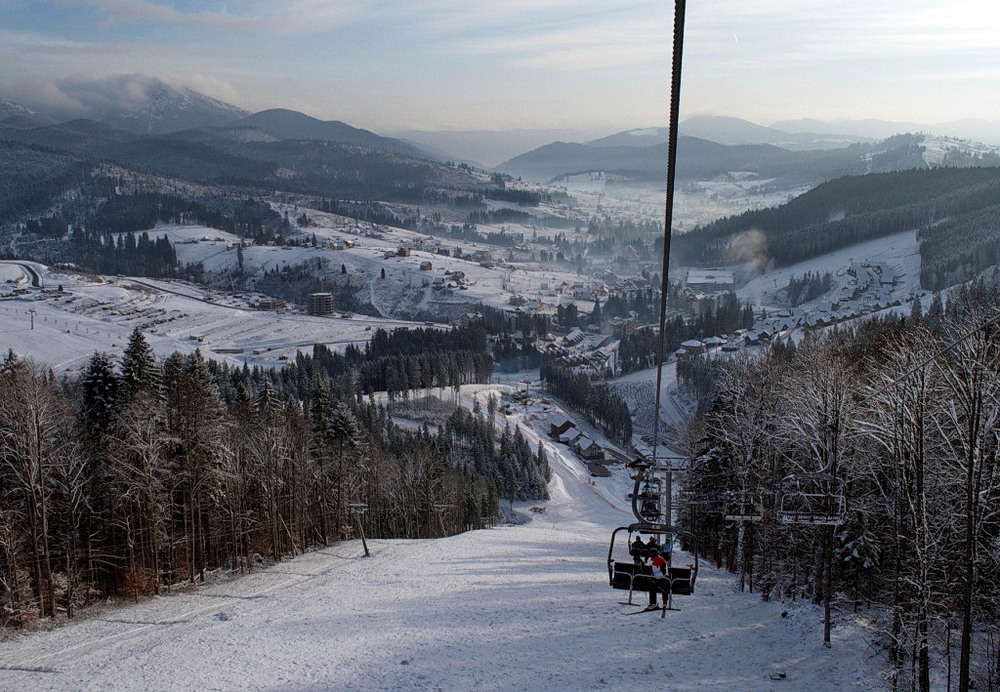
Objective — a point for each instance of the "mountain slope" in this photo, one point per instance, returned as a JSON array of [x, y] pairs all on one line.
[[955, 210], [284, 124], [513, 607], [697, 159], [165, 108]]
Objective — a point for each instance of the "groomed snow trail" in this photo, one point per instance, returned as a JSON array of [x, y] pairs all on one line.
[[511, 608]]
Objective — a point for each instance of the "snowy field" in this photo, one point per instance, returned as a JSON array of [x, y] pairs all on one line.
[[406, 285], [99, 314], [522, 607], [899, 251]]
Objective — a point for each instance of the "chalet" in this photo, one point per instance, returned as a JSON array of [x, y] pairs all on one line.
[[403, 252], [560, 425], [693, 346], [570, 437], [591, 451], [588, 448], [426, 266], [887, 277]]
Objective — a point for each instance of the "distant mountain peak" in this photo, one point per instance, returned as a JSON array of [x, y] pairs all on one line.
[[9, 108], [285, 124], [16, 115], [164, 108], [639, 137]]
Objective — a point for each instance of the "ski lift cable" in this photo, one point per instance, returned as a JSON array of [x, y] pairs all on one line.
[[675, 95], [634, 575]]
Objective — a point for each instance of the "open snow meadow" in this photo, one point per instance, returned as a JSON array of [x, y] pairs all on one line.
[[515, 607]]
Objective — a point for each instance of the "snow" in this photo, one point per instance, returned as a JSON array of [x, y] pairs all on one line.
[[899, 251], [406, 287], [514, 607], [99, 314]]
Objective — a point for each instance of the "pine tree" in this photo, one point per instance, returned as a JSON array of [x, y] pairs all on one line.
[[140, 371], [101, 390]]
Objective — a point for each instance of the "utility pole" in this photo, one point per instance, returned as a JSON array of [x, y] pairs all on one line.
[[31, 311]]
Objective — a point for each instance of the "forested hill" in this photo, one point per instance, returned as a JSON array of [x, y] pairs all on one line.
[[945, 204]]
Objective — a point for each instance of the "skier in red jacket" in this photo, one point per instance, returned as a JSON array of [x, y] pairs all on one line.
[[660, 566]]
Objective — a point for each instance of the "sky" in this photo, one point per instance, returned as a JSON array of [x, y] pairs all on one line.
[[390, 65]]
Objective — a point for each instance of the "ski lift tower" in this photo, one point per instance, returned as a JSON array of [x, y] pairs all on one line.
[[358, 509]]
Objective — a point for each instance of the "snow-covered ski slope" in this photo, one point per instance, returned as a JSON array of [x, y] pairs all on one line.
[[510, 608]]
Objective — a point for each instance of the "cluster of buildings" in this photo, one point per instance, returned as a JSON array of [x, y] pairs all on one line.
[[565, 431]]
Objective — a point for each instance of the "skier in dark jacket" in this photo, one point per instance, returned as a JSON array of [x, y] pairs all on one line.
[[638, 550]]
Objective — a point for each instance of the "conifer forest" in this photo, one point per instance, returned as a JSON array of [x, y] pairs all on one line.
[[142, 474]]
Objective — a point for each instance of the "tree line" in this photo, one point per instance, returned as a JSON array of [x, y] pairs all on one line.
[[638, 349], [132, 478], [892, 431], [845, 211], [598, 404], [809, 287]]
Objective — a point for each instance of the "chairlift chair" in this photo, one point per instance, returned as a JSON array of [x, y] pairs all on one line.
[[632, 575], [743, 505], [812, 498], [706, 504]]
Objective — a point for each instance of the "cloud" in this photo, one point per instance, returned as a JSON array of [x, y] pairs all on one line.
[[106, 95], [617, 42], [20, 42], [86, 96], [281, 17], [128, 11]]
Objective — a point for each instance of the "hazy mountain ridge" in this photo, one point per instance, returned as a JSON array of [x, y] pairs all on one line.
[[15, 115], [700, 159], [275, 149], [284, 124], [728, 130], [167, 109]]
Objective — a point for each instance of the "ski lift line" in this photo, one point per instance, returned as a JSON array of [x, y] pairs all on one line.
[[651, 497], [923, 364], [675, 95]]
